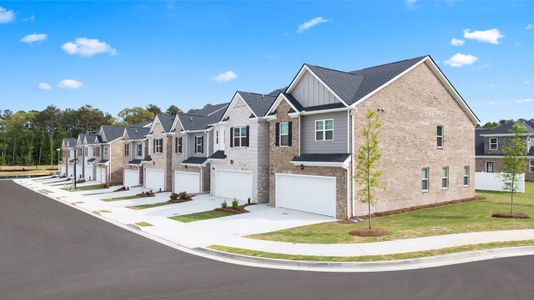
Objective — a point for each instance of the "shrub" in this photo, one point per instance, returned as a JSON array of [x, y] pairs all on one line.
[[224, 204], [184, 196], [235, 204], [174, 196]]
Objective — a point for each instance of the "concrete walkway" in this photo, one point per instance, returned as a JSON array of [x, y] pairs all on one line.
[[229, 231]]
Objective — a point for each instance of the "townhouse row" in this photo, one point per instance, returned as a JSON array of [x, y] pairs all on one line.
[[295, 146]]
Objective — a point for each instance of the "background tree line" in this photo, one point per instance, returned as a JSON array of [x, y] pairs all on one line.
[[32, 137]]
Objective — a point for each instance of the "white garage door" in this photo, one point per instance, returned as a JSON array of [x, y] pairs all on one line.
[[315, 194], [233, 184], [79, 170], [71, 170], [131, 178], [100, 174], [62, 170], [186, 182], [155, 180], [89, 172]]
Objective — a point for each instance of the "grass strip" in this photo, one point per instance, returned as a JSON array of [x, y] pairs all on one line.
[[123, 198], [103, 211], [205, 215], [145, 206], [370, 258], [143, 224], [85, 188]]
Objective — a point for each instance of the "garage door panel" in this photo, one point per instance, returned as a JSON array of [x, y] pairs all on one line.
[[89, 172], [100, 174], [186, 182], [131, 178], [315, 194], [233, 184], [155, 179]]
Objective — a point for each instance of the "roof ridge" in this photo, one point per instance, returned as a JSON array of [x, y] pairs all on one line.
[[391, 63], [255, 93]]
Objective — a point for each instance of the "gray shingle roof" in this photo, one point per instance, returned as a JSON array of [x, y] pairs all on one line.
[[505, 128], [259, 103], [199, 121], [195, 160], [81, 137], [91, 139], [218, 155], [136, 133], [322, 157], [166, 121], [112, 132], [69, 142]]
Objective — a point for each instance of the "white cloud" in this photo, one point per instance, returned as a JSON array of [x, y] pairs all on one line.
[[457, 42], [69, 84], [492, 36], [225, 76], [87, 47], [29, 19], [311, 23], [44, 86], [459, 60], [6, 16], [35, 37], [529, 26], [410, 2], [526, 100]]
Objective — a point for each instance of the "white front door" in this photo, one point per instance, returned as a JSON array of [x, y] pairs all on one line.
[[188, 182], [155, 179], [233, 184], [131, 178], [315, 194], [89, 171]]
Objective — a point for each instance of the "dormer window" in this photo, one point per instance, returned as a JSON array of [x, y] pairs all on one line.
[[493, 143], [158, 146], [126, 149], [139, 150], [324, 130], [199, 144]]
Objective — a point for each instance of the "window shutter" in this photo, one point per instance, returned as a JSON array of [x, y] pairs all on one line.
[[277, 137], [154, 146], [231, 137], [201, 144], [289, 133], [247, 137], [180, 145]]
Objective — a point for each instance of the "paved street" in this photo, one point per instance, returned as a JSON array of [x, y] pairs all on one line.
[[51, 251]]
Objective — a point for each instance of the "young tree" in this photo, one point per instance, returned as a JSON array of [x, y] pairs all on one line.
[[367, 161], [514, 161]]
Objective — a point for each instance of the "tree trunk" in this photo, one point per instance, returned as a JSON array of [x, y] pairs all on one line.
[[13, 156], [41, 147], [51, 149]]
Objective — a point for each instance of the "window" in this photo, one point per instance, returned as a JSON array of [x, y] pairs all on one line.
[[178, 144], [466, 175], [440, 136], [126, 149], [445, 177], [217, 136], [140, 150], [284, 134], [97, 151], [490, 166], [531, 166], [199, 144], [158, 146], [494, 144], [424, 179], [105, 151], [240, 137], [324, 130]]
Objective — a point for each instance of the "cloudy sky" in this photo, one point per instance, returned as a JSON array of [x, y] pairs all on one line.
[[117, 54]]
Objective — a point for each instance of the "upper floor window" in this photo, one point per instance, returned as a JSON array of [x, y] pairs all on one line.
[[324, 130], [490, 166], [531, 166], [105, 151], [467, 171], [440, 136], [199, 144], [445, 177], [97, 151], [284, 134], [140, 150], [493, 143], [158, 145], [424, 179], [239, 137], [126, 149], [178, 144], [217, 136]]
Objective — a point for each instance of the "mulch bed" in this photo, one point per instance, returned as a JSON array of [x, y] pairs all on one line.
[[510, 216], [146, 194], [369, 232], [240, 210], [122, 189], [179, 200]]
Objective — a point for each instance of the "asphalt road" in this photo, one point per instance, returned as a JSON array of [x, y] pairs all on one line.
[[51, 251]]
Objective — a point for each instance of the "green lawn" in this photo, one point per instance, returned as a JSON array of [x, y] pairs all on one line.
[[85, 188], [104, 211], [368, 258], [143, 224], [145, 206], [123, 198], [210, 214], [453, 218]]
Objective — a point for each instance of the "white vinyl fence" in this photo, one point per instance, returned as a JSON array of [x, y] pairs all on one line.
[[494, 182]]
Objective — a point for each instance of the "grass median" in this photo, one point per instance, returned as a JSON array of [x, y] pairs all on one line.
[[205, 215]]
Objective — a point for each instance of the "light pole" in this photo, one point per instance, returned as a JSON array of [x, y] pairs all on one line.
[[75, 163], [59, 167]]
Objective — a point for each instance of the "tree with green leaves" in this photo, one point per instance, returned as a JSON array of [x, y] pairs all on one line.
[[153, 109], [367, 173], [135, 115], [515, 161], [173, 110]]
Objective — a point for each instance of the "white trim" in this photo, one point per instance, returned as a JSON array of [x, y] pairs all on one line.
[[343, 164], [427, 178], [531, 166], [279, 137], [276, 103], [195, 165], [502, 134], [303, 175], [448, 177], [496, 144], [232, 103], [486, 166], [442, 136], [468, 176], [324, 130], [174, 123]]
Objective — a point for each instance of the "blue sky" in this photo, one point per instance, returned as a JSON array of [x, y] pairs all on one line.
[[122, 54]]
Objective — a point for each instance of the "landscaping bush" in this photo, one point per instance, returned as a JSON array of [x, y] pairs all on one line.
[[146, 194], [174, 197], [235, 204], [184, 196], [224, 204]]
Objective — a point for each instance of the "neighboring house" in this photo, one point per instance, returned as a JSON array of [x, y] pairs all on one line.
[[109, 167], [191, 146], [315, 131], [80, 153], [92, 155], [157, 167], [240, 162], [135, 153], [490, 144], [66, 165]]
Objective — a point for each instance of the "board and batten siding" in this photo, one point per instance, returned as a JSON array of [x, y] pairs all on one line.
[[311, 92], [191, 145], [307, 134]]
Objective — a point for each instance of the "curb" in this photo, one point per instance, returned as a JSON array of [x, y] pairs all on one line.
[[316, 266]]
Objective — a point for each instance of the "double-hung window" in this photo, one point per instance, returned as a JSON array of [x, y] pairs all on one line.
[[424, 179], [284, 134], [139, 150], [493, 143], [466, 175], [439, 136], [97, 151], [178, 144], [324, 130], [126, 149], [531, 166], [199, 144], [490, 166], [445, 177], [158, 145], [240, 137]]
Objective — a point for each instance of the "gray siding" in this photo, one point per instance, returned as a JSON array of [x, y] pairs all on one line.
[[191, 145], [307, 134], [311, 92]]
